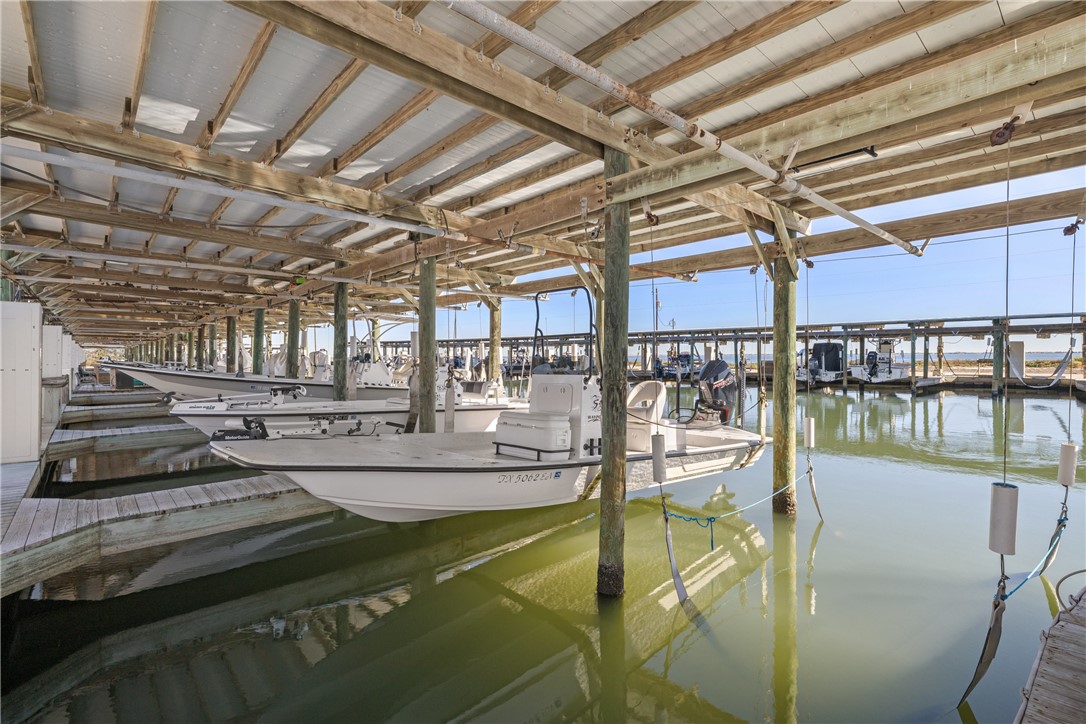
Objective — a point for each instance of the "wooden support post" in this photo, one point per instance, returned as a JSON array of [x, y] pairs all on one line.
[[610, 573], [939, 356], [231, 344], [339, 343], [927, 353], [427, 344], [294, 329], [189, 351], [912, 361], [212, 344], [741, 379], [997, 357], [258, 342], [375, 339], [844, 360], [171, 348], [784, 385], [494, 353], [201, 346]]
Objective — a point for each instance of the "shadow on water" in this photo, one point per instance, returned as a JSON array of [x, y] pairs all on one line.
[[484, 616]]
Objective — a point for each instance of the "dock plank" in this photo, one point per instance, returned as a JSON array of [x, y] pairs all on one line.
[[181, 499], [87, 513], [215, 492], [19, 528], [67, 517], [199, 497], [163, 501], [45, 519], [145, 503], [126, 506], [1056, 691], [107, 509]]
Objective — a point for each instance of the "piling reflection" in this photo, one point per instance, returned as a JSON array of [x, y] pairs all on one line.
[[941, 430], [785, 655], [476, 617]]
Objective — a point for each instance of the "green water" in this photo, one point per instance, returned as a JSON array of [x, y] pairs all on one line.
[[879, 614]]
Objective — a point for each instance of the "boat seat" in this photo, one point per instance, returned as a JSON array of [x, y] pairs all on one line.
[[645, 405]]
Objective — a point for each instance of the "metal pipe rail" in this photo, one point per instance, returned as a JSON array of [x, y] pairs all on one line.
[[531, 42]]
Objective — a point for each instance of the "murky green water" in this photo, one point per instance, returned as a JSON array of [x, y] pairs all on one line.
[[879, 614]]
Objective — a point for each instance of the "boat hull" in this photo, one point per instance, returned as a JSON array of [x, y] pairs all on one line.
[[188, 385], [336, 417], [424, 476]]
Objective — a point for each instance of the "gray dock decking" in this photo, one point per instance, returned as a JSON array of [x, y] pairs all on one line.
[[1056, 690]]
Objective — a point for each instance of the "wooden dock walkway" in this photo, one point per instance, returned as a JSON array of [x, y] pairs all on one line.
[[1056, 690], [103, 413], [68, 443], [49, 536]]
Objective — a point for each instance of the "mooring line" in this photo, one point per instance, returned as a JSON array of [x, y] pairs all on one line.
[[708, 522]]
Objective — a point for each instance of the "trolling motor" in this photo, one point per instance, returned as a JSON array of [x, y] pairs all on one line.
[[716, 390]]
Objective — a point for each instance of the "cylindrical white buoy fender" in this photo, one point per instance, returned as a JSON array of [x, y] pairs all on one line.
[[659, 462], [808, 432], [1003, 523], [450, 406], [1068, 462]]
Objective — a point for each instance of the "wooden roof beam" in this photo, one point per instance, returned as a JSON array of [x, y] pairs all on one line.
[[93, 137], [555, 79], [490, 45], [370, 31]]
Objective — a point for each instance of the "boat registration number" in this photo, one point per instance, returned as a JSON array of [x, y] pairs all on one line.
[[528, 477]]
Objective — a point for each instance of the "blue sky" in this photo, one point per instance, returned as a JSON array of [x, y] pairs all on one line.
[[960, 276]]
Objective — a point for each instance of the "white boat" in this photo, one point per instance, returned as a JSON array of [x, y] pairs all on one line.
[[879, 366], [533, 458], [283, 413], [374, 382], [824, 364]]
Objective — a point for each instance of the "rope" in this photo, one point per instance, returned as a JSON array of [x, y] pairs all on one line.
[[1055, 542], [708, 522]]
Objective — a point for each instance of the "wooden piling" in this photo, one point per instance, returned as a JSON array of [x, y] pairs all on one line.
[[212, 344], [997, 358], [912, 362], [927, 353], [494, 356], [294, 328], [844, 360], [610, 573], [784, 385], [189, 351], [231, 344], [427, 345], [201, 346], [258, 342], [339, 343]]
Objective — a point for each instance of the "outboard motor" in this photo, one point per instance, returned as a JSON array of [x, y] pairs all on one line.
[[717, 389], [872, 363]]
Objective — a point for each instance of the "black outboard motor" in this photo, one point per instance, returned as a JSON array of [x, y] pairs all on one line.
[[872, 364], [717, 389]]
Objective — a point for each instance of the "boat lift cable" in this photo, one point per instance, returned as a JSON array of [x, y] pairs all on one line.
[[533, 43]]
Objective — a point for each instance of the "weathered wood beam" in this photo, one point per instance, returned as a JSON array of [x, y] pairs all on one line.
[[101, 139], [555, 79], [132, 103], [99, 214], [233, 95], [15, 203], [493, 44], [370, 31], [779, 21]]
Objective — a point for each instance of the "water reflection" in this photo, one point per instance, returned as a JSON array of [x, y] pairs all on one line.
[[942, 430], [477, 617]]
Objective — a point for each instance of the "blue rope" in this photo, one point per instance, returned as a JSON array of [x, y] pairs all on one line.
[[1055, 542], [708, 522]]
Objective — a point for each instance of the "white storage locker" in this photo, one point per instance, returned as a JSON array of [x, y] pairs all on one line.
[[20, 381]]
